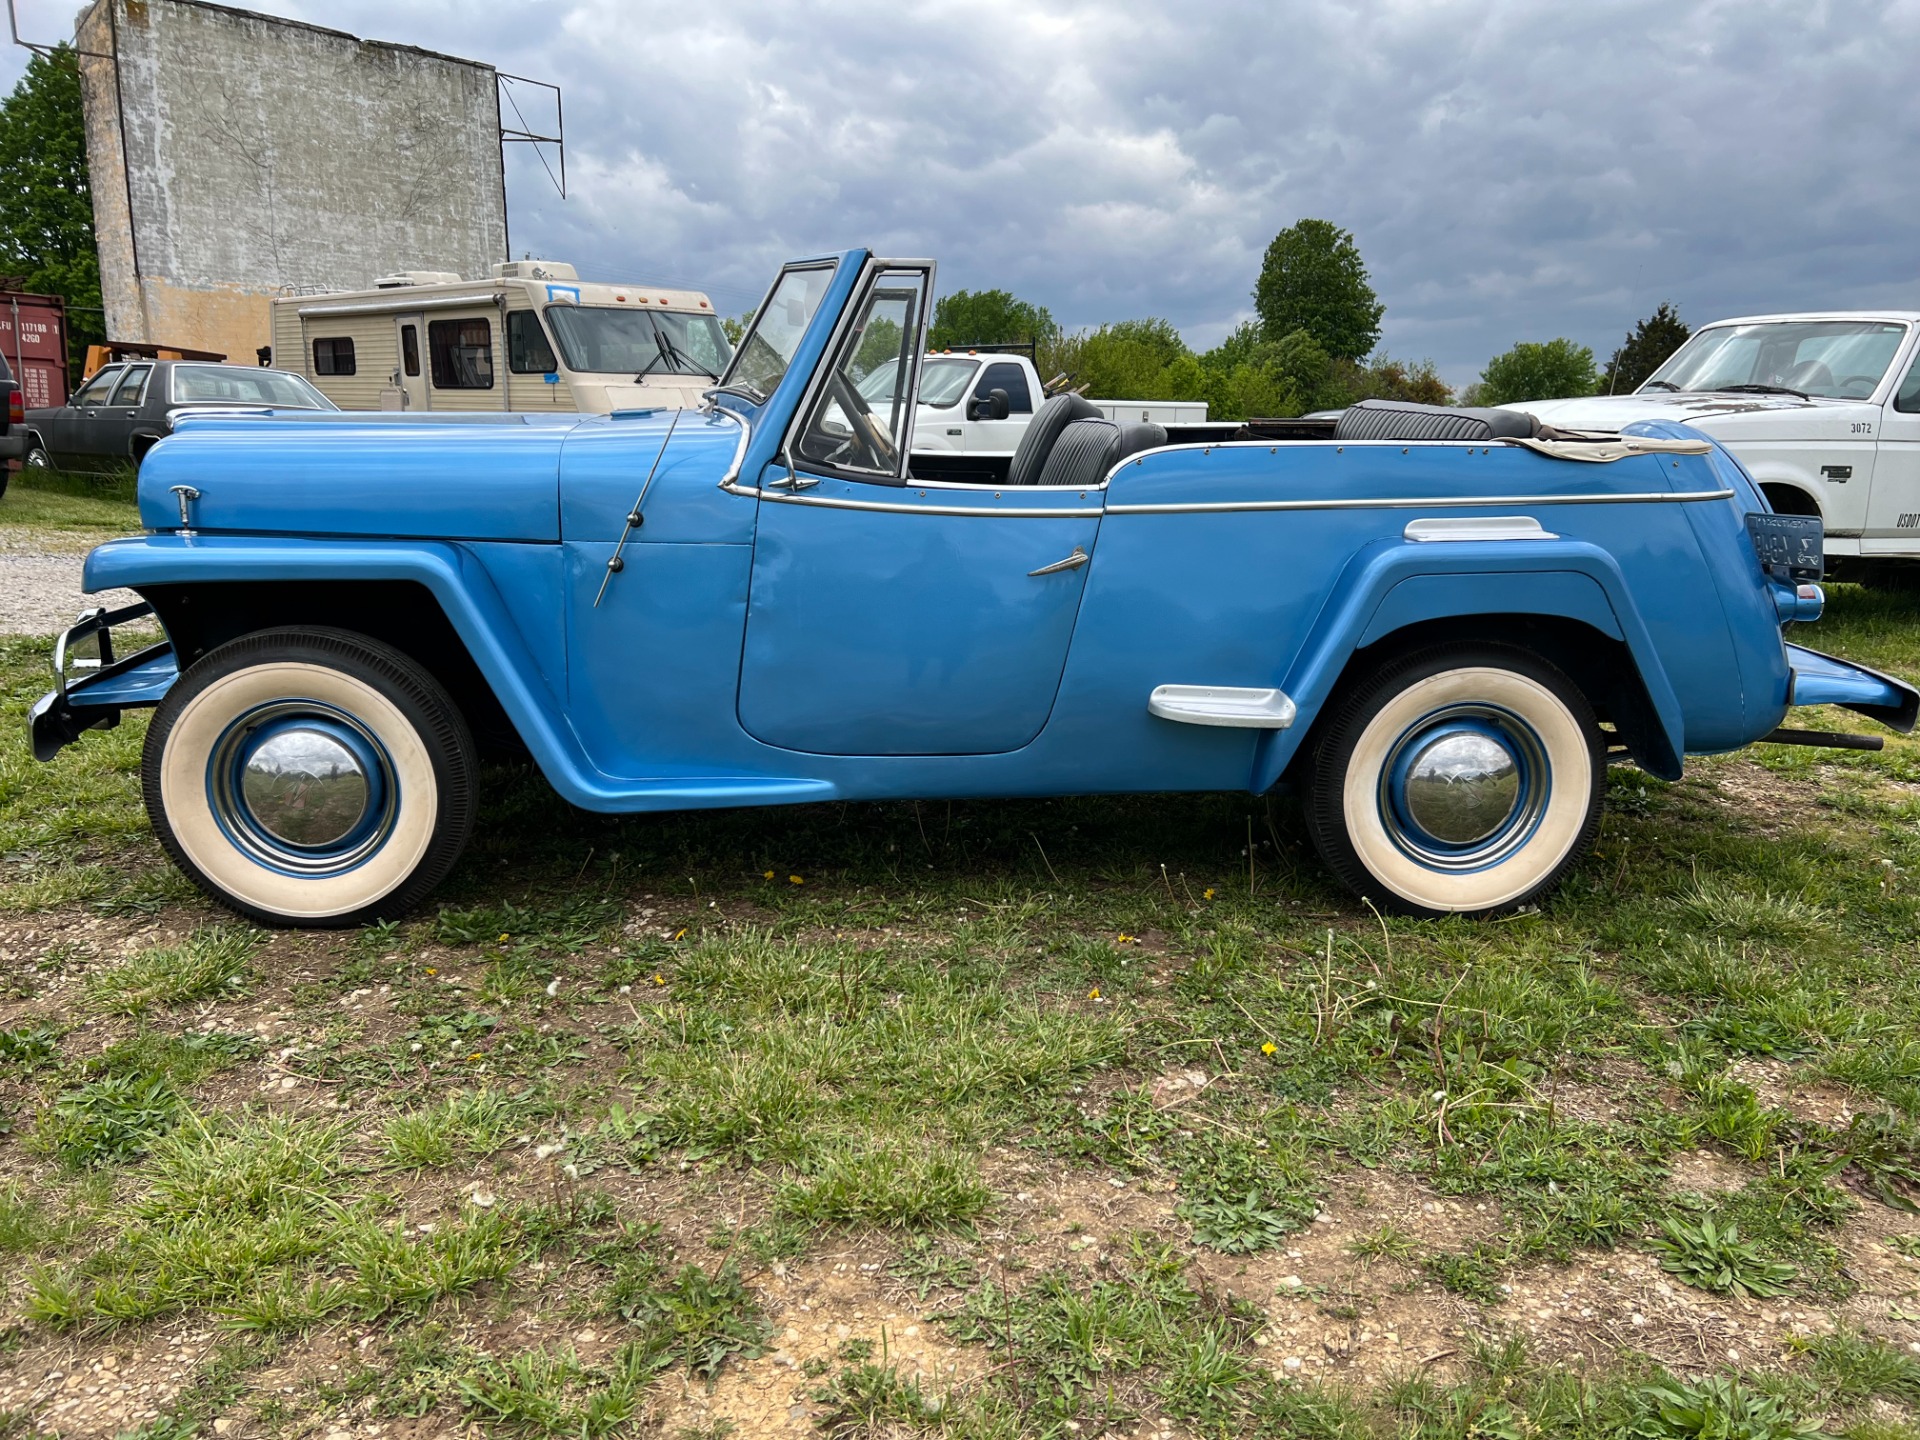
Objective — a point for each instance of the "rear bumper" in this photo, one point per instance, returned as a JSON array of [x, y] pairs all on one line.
[[12, 447], [1816, 679], [91, 694]]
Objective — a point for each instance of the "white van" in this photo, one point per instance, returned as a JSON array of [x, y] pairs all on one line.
[[535, 337]]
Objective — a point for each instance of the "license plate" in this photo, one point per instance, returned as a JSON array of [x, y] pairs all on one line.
[[1788, 544]]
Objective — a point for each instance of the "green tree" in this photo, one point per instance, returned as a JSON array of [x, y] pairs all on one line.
[[1131, 360], [988, 317], [1645, 350], [1314, 280], [46, 207], [1251, 376], [1387, 379], [1554, 370]]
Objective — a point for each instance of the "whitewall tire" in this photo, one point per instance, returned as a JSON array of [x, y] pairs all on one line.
[[310, 777], [1459, 780]]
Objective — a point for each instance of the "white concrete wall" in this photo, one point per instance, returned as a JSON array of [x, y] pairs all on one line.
[[236, 156]]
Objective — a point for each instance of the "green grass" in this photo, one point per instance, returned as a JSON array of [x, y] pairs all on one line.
[[211, 961], [89, 507], [626, 1076]]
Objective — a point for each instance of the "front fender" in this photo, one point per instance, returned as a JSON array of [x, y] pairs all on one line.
[[1393, 584], [450, 572]]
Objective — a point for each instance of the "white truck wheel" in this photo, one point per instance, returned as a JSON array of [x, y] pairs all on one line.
[[1460, 780], [310, 777]]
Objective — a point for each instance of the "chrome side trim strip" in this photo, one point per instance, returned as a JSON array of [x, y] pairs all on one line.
[[830, 502], [1420, 502], [1235, 706]]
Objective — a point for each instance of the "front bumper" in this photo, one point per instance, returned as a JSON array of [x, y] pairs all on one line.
[[91, 693]]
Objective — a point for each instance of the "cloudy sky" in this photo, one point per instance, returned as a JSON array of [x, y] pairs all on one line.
[[1513, 170]]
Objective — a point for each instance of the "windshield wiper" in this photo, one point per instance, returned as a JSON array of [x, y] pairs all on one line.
[[1658, 385], [1755, 389], [665, 347], [681, 358]]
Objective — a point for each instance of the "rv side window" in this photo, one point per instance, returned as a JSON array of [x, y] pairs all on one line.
[[528, 352], [462, 354], [333, 357], [410, 348]]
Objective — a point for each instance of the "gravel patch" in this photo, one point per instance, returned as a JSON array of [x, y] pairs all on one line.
[[40, 594]]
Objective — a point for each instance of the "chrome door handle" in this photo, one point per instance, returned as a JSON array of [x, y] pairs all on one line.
[[1074, 561]]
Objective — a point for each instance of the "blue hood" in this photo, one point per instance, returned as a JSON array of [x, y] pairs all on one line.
[[479, 477]]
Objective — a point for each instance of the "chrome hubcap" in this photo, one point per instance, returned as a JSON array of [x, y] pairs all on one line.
[[303, 788], [1464, 787]]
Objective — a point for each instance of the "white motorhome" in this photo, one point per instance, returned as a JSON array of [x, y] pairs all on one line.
[[534, 337]]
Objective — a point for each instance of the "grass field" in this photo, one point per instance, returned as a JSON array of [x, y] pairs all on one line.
[[975, 1120]]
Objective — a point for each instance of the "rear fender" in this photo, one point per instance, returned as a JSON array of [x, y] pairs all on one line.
[[1392, 585], [453, 576]]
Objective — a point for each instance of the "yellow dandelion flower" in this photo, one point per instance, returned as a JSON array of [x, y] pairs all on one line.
[[1269, 1048], [503, 939], [658, 979], [474, 1056], [1094, 994], [766, 874], [795, 880], [1128, 940], [1207, 894], [432, 971]]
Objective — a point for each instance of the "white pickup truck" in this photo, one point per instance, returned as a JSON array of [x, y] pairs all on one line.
[[1823, 409], [962, 431]]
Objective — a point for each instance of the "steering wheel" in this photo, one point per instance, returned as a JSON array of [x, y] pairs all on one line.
[[882, 453], [1847, 382], [1809, 375]]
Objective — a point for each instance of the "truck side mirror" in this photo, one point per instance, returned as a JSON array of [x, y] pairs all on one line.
[[993, 405]]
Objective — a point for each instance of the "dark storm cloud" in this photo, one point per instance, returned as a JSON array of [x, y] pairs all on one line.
[[1512, 171]]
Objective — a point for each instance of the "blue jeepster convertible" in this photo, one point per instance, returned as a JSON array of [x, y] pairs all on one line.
[[1436, 625]]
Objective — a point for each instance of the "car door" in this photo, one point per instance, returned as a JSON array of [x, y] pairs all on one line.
[[896, 617], [110, 436], [1894, 512], [68, 432], [987, 435]]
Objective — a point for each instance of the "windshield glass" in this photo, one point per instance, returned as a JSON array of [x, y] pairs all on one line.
[[767, 349], [1835, 359], [943, 380], [238, 385], [618, 340]]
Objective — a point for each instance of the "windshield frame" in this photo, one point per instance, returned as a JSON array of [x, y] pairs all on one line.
[[872, 271], [1661, 381], [827, 267]]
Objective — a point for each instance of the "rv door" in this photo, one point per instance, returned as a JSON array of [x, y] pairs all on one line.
[[410, 379]]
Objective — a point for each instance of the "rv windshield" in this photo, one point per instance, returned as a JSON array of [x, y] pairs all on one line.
[[768, 347], [245, 385], [619, 340]]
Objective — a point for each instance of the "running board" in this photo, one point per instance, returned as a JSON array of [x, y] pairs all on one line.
[[1230, 705]]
